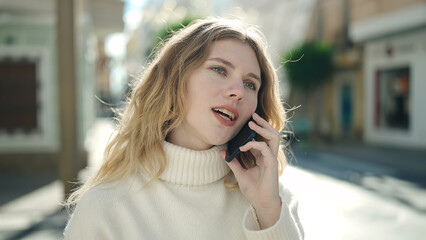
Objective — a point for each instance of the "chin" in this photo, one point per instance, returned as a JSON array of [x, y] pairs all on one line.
[[220, 141]]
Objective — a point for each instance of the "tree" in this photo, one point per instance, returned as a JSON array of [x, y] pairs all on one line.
[[308, 67]]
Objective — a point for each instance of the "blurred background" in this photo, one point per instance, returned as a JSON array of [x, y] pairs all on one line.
[[353, 71]]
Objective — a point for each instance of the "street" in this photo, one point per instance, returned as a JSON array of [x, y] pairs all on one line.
[[334, 209], [342, 196]]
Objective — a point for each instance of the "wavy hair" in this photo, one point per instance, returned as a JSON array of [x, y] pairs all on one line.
[[156, 104]]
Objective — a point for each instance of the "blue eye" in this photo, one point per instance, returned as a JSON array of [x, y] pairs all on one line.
[[250, 85], [219, 70]]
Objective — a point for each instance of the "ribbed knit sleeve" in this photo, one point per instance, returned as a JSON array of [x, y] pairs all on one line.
[[288, 226]]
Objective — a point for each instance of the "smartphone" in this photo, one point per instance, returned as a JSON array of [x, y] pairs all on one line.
[[244, 136]]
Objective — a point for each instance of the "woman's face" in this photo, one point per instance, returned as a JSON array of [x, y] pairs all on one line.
[[221, 97]]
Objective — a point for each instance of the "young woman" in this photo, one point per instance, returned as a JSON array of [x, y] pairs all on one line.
[[164, 175]]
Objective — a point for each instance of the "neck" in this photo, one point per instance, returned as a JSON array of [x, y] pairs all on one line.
[[189, 143]]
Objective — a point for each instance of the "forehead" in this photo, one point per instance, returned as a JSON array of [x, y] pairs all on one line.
[[240, 54]]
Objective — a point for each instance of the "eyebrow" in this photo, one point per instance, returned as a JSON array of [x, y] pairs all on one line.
[[229, 64]]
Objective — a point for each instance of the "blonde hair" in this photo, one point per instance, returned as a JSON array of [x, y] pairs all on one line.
[[156, 105]]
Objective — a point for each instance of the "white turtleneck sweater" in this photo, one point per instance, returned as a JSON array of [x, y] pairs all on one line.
[[189, 201]]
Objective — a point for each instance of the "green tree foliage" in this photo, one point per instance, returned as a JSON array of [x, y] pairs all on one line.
[[309, 65], [166, 31]]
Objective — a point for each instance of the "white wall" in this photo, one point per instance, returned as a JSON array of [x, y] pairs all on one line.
[[409, 49]]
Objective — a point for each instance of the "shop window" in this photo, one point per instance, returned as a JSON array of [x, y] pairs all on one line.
[[392, 106], [18, 100]]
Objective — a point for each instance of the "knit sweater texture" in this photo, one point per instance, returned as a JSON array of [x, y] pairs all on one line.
[[189, 201]]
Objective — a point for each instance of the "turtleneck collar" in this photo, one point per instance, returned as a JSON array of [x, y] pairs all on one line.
[[193, 168]]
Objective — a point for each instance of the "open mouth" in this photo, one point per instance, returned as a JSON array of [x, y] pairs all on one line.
[[225, 114]]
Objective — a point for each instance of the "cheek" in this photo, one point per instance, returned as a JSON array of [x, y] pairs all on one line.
[[201, 84], [251, 105], [254, 107]]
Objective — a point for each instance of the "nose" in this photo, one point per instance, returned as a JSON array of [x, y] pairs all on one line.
[[235, 90]]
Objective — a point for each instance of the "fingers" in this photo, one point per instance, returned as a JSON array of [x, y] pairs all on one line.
[[268, 159], [234, 165], [264, 129], [263, 150], [262, 122]]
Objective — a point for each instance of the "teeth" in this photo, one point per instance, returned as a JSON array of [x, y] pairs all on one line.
[[225, 113]]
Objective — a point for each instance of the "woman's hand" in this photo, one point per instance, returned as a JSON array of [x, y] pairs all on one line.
[[260, 184]]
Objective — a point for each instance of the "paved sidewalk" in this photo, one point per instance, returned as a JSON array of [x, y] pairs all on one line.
[[36, 215], [39, 214], [330, 208]]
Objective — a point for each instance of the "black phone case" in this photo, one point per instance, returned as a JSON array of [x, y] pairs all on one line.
[[244, 136]]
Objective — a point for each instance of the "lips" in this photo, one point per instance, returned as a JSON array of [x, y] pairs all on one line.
[[226, 115]]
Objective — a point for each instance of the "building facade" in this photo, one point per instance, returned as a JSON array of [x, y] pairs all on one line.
[[393, 34], [375, 91], [48, 66], [341, 100]]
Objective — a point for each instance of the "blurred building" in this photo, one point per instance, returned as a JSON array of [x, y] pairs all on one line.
[[341, 100], [375, 93], [50, 57], [393, 35]]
